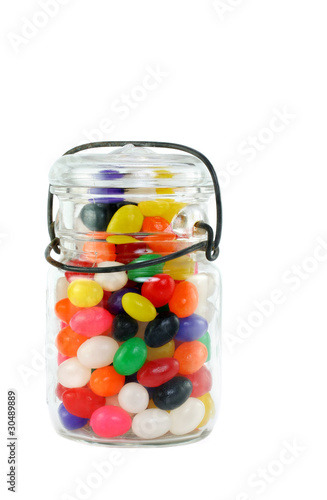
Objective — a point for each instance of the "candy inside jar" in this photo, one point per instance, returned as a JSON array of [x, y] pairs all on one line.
[[134, 305]]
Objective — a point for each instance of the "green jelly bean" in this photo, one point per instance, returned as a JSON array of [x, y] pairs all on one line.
[[130, 356], [144, 273], [205, 339]]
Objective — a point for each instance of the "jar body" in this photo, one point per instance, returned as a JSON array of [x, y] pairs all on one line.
[[137, 351]]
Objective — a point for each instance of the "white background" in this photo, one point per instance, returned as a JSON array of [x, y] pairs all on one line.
[[226, 72]]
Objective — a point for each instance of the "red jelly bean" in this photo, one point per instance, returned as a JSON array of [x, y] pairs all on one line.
[[159, 289], [201, 381], [61, 357], [92, 321], [191, 356], [68, 341], [184, 300], [157, 372], [130, 251], [110, 421], [65, 310], [60, 389], [70, 276], [154, 225], [82, 402]]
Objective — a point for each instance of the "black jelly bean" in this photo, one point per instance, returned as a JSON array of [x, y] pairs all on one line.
[[161, 330], [124, 327], [96, 216], [173, 393]]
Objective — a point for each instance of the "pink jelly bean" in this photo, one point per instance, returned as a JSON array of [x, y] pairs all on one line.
[[110, 421], [91, 321], [61, 358]]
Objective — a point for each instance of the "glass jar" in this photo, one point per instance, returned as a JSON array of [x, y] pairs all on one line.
[[134, 301]]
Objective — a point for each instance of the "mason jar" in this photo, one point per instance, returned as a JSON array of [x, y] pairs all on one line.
[[133, 297]]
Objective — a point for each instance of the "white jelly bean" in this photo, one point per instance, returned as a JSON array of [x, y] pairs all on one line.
[[204, 283], [187, 417], [151, 423], [61, 288], [71, 373], [111, 281], [133, 397], [97, 352]]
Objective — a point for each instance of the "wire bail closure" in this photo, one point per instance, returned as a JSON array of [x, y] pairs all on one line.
[[210, 246]]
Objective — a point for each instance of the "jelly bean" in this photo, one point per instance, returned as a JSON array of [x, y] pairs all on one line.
[[59, 391], [181, 268], [151, 423], [191, 356], [172, 210], [106, 381], [151, 404], [82, 402], [164, 351], [114, 302], [65, 310], [173, 393], [91, 321], [124, 327], [96, 216], [110, 421], [130, 356], [97, 352], [161, 330], [191, 328], [142, 274], [187, 417], [153, 208], [154, 225], [133, 398], [119, 239], [61, 289], [207, 342], [206, 309], [61, 357], [138, 307], [157, 372], [98, 251], [209, 408], [127, 219], [71, 373], [71, 276], [184, 300], [131, 251], [69, 421], [68, 341], [162, 243], [158, 289], [111, 281], [204, 283], [201, 381], [84, 293]]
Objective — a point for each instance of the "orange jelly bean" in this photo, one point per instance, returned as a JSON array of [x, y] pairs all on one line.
[[65, 310], [161, 243], [184, 300], [99, 251], [191, 356], [106, 381], [154, 225], [68, 341]]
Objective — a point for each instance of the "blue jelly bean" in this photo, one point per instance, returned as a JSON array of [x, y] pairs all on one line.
[[70, 421], [114, 304], [191, 328]]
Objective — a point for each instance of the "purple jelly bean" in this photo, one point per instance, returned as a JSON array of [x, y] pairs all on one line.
[[114, 304], [191, 328], [70, 421]]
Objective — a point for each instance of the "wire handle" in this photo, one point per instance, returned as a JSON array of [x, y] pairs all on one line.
[[211, 246]]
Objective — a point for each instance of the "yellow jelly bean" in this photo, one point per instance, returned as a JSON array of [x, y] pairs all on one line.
[[172, 210], [119, 239], [84, 293], [180, 269], [138, 307], [151, 404], [164, 351], [153, 208], [165, 191], [164, 174], [209, 406], [127, 219]]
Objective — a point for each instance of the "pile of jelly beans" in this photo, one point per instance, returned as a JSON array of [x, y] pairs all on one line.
[[133, 346]]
